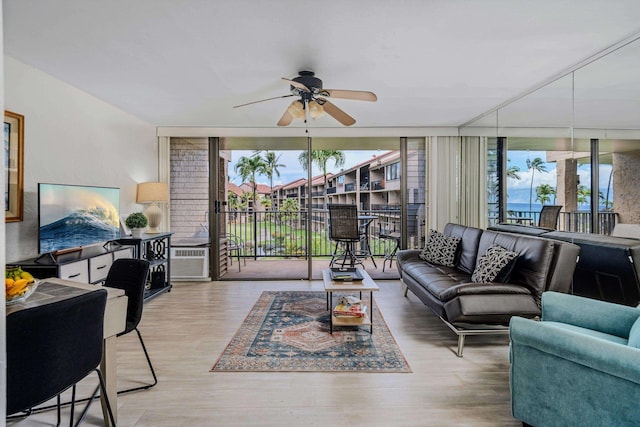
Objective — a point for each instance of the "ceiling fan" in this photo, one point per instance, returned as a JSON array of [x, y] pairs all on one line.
[[313, 100]]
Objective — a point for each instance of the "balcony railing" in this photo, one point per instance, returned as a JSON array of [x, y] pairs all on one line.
[[332, 190], [377, 185], [349, 187], [276, 234], [579, 221]]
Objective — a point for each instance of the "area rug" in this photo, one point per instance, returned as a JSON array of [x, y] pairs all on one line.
[[289, 331]]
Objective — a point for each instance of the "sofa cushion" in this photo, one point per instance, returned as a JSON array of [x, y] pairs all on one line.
[[470, 239], [441, 249], [634, 334], [534, 259], [492, 263]]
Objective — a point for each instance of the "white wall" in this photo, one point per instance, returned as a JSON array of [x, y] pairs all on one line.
[[3, 346], [72, 137]]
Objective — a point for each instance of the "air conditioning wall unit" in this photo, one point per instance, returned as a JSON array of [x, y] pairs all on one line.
[[190, 263]]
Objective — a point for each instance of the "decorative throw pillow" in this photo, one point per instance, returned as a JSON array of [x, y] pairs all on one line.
[[491, 264], [441, 249]]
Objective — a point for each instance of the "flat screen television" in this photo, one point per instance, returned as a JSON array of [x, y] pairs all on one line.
[[72, 216]]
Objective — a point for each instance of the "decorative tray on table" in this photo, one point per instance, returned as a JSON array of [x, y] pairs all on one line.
[[346, 274]]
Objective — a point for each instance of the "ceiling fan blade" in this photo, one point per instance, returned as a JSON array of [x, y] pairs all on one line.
[[286, 119], [338, 114], [297, 84], [357, 95], [262, 100]]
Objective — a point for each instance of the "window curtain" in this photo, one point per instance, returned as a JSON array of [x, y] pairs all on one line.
[[472, 199], [442, 175], [457, 171]]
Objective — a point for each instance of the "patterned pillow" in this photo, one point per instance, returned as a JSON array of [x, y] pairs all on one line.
[[491, 264], [441, 249]]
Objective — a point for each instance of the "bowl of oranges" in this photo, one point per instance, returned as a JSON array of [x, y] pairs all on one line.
[[19, 285]]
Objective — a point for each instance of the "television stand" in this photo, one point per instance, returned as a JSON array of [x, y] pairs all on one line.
[[89, 264]]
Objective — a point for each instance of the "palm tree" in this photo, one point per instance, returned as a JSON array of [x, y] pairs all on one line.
[[512, 172], [320, 158], [583, 194], [534, 165], [270, 167], [248, 168], [544, 193]]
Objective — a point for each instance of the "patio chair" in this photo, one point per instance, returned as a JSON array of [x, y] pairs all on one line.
[[344, 230], [235, 245], [390, 231], [549, 216]]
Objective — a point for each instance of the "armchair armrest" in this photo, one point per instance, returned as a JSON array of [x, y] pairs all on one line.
[[610, 318], [611, 358]]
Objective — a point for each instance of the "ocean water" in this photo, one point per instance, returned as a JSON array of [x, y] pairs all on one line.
[[77, 229], [535, 207]]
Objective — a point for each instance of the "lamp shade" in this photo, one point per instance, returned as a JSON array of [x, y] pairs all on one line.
[[152, 192]]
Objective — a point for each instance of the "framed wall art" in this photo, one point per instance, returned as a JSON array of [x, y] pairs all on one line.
[[13, 166]]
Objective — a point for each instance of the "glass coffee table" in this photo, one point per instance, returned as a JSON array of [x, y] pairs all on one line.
[[365, 285]]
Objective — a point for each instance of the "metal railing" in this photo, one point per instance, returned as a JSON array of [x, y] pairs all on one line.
[[283, 234], [578, 221]]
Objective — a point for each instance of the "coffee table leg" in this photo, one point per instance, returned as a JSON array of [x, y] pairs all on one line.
[[371, 312], [330, 307]]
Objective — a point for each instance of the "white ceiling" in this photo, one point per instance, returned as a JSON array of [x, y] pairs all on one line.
[[431, 62]]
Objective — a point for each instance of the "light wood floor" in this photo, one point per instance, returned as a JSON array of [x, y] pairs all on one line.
[[187, 329]]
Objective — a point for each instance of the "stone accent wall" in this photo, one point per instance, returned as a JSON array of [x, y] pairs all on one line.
[[567, 184], [626, 184], [189, 168]]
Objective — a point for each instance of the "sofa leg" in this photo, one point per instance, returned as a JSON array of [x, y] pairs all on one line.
[[460, 345], [406, 290]]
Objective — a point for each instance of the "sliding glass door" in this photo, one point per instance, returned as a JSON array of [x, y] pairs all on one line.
[[269, 200]]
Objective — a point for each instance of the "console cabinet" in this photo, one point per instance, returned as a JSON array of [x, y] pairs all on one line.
[[155, 248], [89, 265]]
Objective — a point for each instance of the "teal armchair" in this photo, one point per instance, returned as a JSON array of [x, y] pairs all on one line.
[[578, 366]]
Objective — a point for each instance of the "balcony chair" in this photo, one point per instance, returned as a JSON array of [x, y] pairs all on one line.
[[389, 231], [131, 276], [549, 217], [235, 245], [50, 348], [344, 230]]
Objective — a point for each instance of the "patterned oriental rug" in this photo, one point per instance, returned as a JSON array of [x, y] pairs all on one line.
[[289, 331]]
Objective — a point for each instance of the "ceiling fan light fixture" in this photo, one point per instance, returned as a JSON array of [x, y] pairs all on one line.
[[315, 110], [296, 109]]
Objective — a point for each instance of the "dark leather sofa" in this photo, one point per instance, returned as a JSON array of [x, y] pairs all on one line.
[[608, 268], [485, 308]]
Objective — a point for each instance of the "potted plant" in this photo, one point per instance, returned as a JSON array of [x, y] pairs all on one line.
[[136, 222]]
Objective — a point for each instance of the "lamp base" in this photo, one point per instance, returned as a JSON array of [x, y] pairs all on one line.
[[154, 214]]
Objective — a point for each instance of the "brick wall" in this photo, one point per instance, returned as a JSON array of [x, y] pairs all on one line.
[[189, 187]]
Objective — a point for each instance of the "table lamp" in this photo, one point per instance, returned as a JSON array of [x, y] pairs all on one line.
[[153, 193]]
